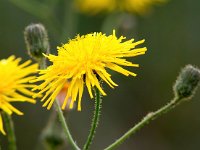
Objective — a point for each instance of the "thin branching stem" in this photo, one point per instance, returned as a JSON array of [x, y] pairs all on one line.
[[149, 117], [65, 126]]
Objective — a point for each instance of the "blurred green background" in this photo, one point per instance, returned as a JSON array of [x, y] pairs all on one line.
[[172, 34]]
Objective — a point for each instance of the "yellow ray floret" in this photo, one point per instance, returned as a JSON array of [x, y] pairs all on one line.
[[14, 85], [84, 61]]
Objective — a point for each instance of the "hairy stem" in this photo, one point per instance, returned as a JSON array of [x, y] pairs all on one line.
[[95, 120]]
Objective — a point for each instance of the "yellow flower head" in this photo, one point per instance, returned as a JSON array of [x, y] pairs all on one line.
[[83, 61], [92, 7], [138, 6], [95, 6], [13, 85]]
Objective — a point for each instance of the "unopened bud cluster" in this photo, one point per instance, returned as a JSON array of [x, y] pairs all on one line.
[[36, 39], [187, 82]]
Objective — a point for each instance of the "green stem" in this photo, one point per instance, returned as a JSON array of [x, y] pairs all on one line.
[[65, 127], [10, 131], [42, 63], [149, 117], [95, 119]]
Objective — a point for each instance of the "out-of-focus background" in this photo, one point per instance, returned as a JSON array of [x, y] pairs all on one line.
[[171, 31]]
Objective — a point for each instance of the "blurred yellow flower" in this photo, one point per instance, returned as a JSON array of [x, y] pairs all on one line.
[[14, 85], [138, 6], [92, 7], [84, 60]]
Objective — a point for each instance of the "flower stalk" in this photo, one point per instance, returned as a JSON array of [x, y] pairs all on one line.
[[10, 131], [184, 88], [149, 117], [95, 120], [65, 126]]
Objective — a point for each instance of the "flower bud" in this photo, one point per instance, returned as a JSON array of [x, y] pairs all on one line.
[[53, 135], [187, 82], [36, 40]]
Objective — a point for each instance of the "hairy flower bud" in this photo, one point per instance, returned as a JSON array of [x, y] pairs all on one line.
[[187, 82], [36, 40]]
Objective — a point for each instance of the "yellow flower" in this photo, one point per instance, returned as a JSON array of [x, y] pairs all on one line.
[[13, 85], [92, 7], [95, 6], [138, 6], [84, 60]]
